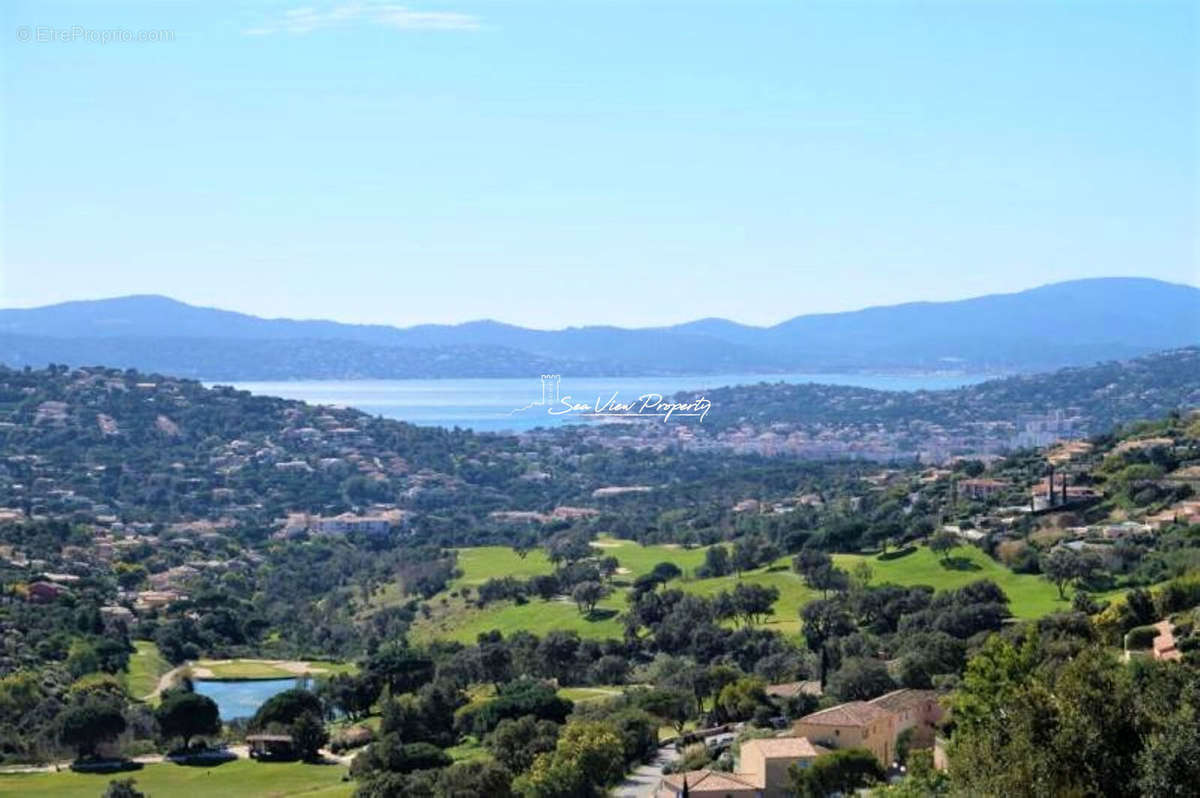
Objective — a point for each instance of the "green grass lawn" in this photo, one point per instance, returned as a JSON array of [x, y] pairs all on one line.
[[241, 669], [239, 779], [1030, 596], [482, 563], [793, 593], [146, 664], [642, 559], [453, 619], [456, 621], [581, 694], [469, 749]]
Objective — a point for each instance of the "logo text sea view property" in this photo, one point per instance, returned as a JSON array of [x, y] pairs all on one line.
[[612, 405]]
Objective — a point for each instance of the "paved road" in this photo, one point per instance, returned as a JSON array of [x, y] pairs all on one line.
[[641, 783]]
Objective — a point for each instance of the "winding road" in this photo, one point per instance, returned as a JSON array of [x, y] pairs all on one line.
[[642, 781]]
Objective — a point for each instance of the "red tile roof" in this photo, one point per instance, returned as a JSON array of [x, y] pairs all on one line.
[[899, 700], [854, 713], [784, 747], [709, 780]]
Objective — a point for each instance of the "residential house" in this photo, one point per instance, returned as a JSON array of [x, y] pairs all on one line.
[[1187, 512], [876, 724], [857, 724], [982, 488], [117, 614], [766, 762], [296, 524], [153, 599], [347, 523], [763, 772], [1124, 529], [566, 513], [918, 710], [1050, 494], [706, 784], [44, 592], [173, 577]]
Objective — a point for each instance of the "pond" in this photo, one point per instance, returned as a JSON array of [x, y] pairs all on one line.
[[241, 699]]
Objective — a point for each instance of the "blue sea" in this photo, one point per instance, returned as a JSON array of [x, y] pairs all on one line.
[[493, 405]]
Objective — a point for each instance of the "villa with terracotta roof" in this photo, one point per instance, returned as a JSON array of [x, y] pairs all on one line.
[[876, 724], [763, 772], [767, 761], [857, 724], [918, 710], [764, 764], [707, 784]]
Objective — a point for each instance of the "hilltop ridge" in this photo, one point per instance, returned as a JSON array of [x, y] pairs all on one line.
[[1106, 318]]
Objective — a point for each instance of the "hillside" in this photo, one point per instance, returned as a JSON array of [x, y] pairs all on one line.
[[153, 522], [1099, 396], [453, 619], [150, 448], [994, 417], [1107, 318]]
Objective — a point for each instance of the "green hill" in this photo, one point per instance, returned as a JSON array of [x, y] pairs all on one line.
[[453, 618]]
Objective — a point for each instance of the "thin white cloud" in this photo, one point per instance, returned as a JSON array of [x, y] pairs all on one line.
[[389, 15]]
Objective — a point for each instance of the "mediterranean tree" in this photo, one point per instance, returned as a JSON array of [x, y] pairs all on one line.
[[284, 708], [86, 726], [942, 544], [586, 595], [187, 715], [308, 736], [843, 771]]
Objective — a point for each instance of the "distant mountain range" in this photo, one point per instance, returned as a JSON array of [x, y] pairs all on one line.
[[1063, 324]]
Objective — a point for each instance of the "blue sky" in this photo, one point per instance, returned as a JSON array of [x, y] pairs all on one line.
[[567, 163]]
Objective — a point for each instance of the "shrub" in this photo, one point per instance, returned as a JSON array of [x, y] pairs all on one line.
[[390, 753], [522, 697], [693, 757], [354, 737], [1140, 637], [123, 788]]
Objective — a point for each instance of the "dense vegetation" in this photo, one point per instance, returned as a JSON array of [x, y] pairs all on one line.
[[727, 575], [1100, 396]]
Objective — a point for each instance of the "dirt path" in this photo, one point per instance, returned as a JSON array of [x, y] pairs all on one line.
[[164, 683]]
